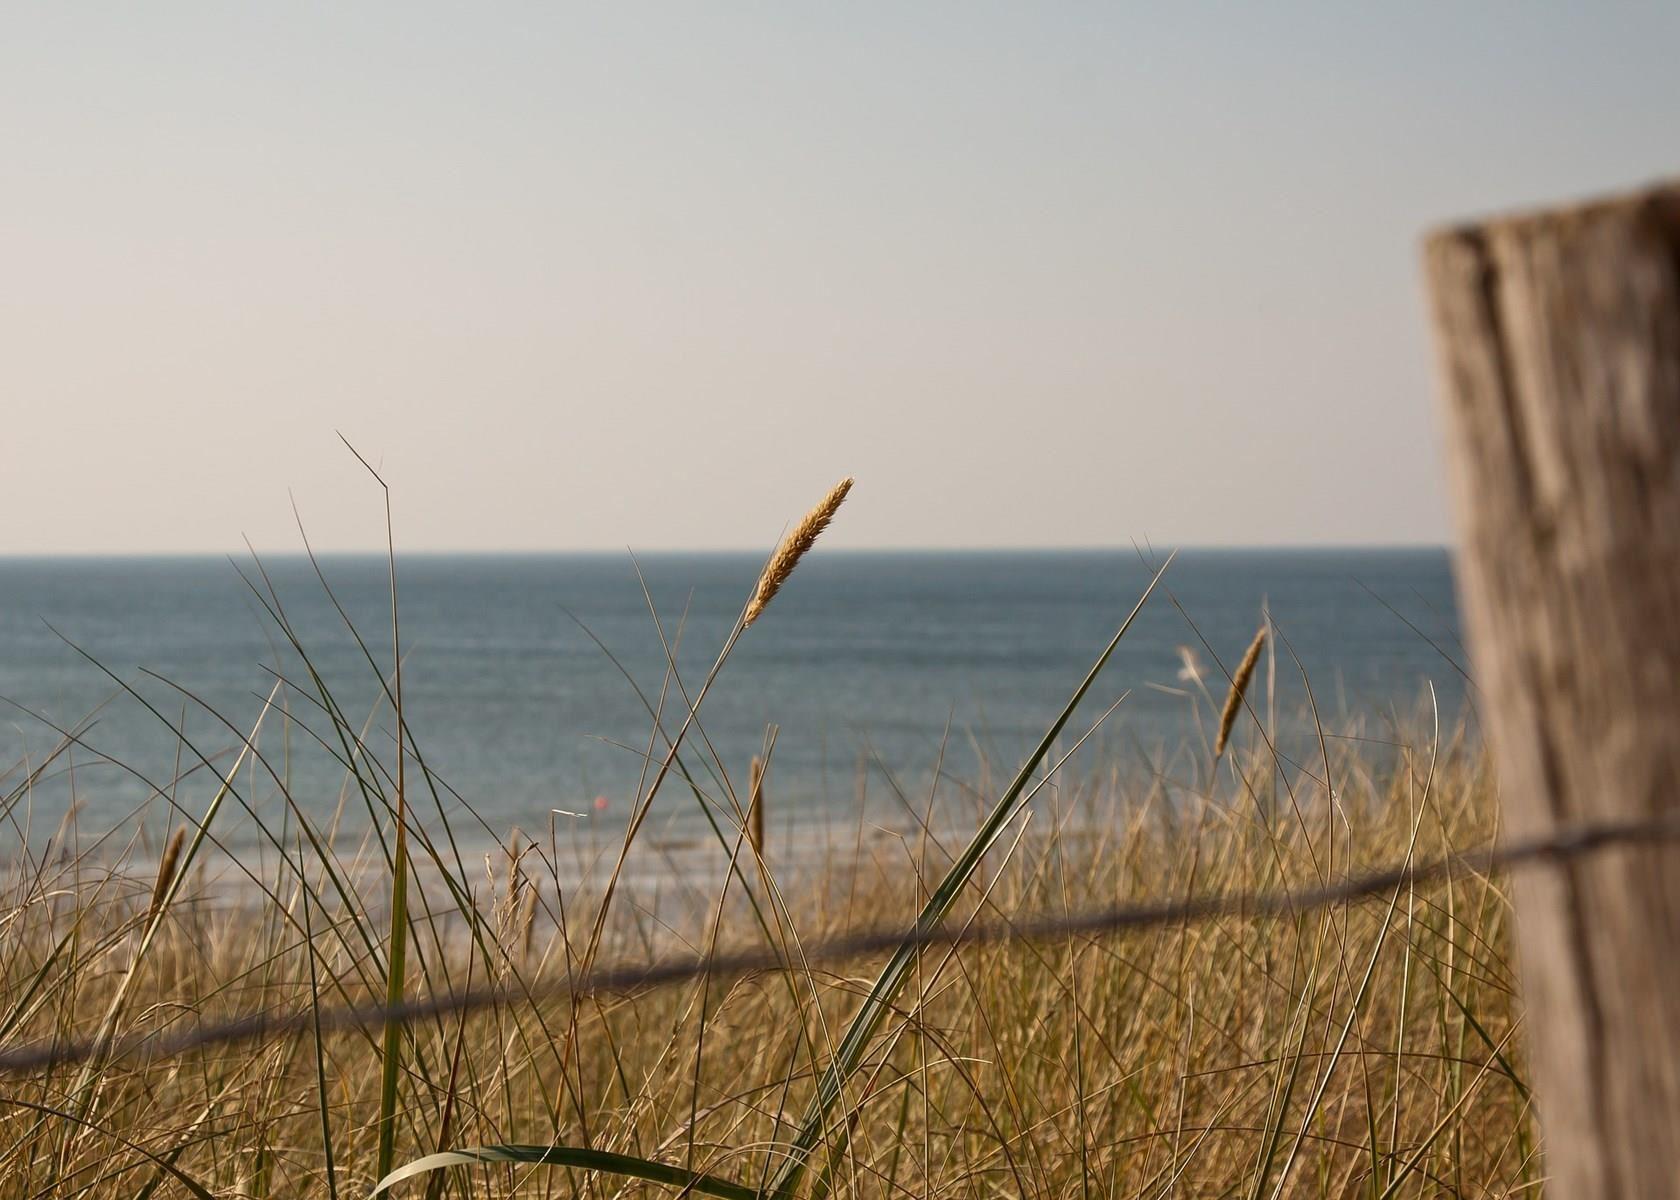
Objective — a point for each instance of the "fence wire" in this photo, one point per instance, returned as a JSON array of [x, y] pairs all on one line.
[[1563, 845]]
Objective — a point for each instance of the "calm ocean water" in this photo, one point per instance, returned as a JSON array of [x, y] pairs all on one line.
[[865, 658]]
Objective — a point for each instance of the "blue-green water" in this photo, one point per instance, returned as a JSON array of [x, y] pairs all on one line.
[[864, 658]]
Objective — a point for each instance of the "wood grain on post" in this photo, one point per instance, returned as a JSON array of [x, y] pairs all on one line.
[[1559, 343]]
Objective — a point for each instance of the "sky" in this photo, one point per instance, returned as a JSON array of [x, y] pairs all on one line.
[[588, 277]]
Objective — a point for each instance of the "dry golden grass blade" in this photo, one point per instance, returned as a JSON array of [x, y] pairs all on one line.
[[106, 1033], [1239, 688], [793, 548], [528, 922]]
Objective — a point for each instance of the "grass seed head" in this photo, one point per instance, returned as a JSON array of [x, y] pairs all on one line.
[[1239, 688], [793, 548], [166, 872], [755, 805]]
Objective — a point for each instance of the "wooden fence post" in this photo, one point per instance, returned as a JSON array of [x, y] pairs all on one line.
[[1559, 344]]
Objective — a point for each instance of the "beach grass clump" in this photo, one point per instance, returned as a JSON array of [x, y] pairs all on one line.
[[1367, 1047], [1201, 1059]]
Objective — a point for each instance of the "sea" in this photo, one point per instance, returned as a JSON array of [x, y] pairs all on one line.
[[530, 683]]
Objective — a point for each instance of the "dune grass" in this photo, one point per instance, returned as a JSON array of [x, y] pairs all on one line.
[[1368, 1049]]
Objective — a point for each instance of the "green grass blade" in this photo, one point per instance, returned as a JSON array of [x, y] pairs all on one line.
[[396, 962], [320, 1054], [878, 1003], [396, 968], [693, 1182], [114, 1009]]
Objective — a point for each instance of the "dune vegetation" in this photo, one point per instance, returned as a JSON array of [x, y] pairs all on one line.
[[174, 1022]]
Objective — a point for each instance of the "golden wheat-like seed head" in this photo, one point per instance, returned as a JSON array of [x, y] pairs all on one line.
[[755, 805], [793, 548], [166, 872], [1239, 688]]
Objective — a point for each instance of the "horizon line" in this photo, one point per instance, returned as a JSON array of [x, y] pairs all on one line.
[[598, 552]]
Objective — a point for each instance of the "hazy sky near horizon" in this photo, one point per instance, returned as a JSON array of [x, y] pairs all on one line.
[[657, 275]]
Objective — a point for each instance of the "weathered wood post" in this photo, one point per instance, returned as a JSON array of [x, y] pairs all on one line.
[[1559, 343]]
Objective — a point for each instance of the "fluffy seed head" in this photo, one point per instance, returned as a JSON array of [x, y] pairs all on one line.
[[1239, 688], [793, 548]]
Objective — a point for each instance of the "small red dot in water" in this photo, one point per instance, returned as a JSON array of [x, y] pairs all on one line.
[[600, 803]]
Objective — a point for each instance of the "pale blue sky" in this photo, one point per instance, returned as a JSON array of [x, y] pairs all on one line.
[[582, 277]]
